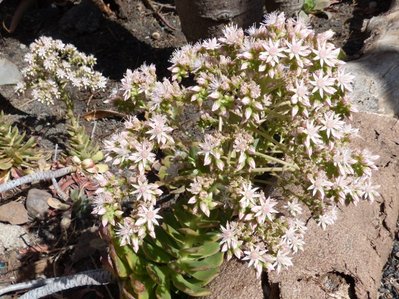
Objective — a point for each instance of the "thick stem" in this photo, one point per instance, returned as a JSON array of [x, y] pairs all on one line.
[[37, 176], [54, 285]]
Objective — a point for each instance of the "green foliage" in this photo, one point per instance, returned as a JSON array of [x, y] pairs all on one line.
[[308, 6], [317, 6], [184, 257], [82, 148], [17, 152]]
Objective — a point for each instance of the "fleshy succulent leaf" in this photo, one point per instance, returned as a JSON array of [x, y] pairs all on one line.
[[188, 287]]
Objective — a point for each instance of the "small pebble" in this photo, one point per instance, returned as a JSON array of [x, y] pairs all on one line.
[[36, 203], [156, 35]]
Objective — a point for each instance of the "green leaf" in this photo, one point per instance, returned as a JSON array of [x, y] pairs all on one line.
[[191, 266], [5, 164], [120, 267], [208, 223], [205, 250], [166, 242], [135, 262], [97, 157], [189, 288], [101, 168], [206, 276], [162, 292], [308, 5], [155, 253], [157, 274], [142, 287], [320, 5], [188, 232], [176, 236]]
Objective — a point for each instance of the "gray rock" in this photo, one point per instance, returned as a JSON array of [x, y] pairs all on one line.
[[36, 203], [376, 87], [236, 281], [13, 237]]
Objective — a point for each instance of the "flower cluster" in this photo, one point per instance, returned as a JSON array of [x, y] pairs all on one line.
[[54, 66], [241, 113]]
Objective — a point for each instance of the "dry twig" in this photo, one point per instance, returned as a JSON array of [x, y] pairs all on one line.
[[158, 15]]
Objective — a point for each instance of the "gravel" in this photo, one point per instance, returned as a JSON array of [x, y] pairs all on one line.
[[390, 279]]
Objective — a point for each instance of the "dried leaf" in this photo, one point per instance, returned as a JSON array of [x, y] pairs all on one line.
[[321, 5], [57, 204], [39, 248]]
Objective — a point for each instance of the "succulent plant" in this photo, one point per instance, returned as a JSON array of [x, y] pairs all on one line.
[[242, 114], [184, 257], [82, 149], [17, 153]]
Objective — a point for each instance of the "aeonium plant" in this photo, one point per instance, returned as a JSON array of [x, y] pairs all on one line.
[[55, 71], [224, 157]]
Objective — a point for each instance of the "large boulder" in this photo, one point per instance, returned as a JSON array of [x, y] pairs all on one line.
[[376, 87]]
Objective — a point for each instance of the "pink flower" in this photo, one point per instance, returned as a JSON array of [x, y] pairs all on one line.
[[369, 190], [102, 199], [301, 93], [332, 125], [323, 84], [273, 52], [293, 207], [209, 148], [319, 184], [159, 129], [211, 44], [343, 160], [297, 50], [328, 218], [256, 258], [229, 236], [232, 35], [143, 156], [326, 53], [311, 132], [146, 191], [149, 217], [264, 209], [125, 231], [282, 261], [344, 80], [249, 195]]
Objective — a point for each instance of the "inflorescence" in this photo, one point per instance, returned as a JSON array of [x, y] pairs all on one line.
[[241, 112]]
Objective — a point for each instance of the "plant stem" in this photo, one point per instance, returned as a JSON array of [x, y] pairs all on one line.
[[37, 176], [263, 182], [268, 138], [57, 284], [273, 159], [267, 169]]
